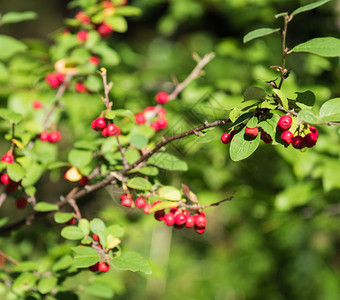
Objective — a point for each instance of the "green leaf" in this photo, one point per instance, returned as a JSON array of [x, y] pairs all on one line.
[[125, 113], [63, 263], [72, 233], [57, 165], [97, 226], [169, 193], [330, 176], [110, 114], [254, 93], [168, 161], [307, 98], [115, 230], [84, 225], [24, 282], [26, 266], [62, 217], [128, 11], [15, 172], [112, 242], [234, 114], [307, 115], [328, 47], [15, 17], [282, 97], [308, 7], [47, 284], [99, 289], [163, 205], [85, 257], [252, 122], [10, 115], [10, 46], [79, 158], [241, 147], [258, 33], [117, 23], [139, 183], [139, 140], [269, 124], [45, 206], [110, 56], [149, 171], [330, 110], [133, 262], [33, 174]]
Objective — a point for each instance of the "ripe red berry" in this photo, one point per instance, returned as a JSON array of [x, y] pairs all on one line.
[[126, 200], [82, 36], [104, 30], [80, 87], [71, 222], [287, 136], [140, 118], [162, 123], [265, 137], [94, 268], [200, 230], [7, 158], [169, 219], [36, 104], [82, 17], [60, 77], [147, 208], [161, 112], [103, 267], [162, 97], [83, 181], [298, 142], [314, 131], [190, 221], [159, 215], [140, 202], [94, 60], [225, 138], [112, 129], [5, 179], [21, 203], [44, 136], [12, 187], [310, 140], [200, 220], [180, 219], [54, 137], [95, 237], [99, 124], [251, 132], [284, 123], [154, 125], [52, 80]]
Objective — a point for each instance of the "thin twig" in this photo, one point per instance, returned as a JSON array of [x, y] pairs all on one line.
[[284, 51], [7, 257], [122, 152], [107, 88]]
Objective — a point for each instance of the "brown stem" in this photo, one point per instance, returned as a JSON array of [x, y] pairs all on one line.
[[107, 88], [283, 70], [122, 152], [7, 257]]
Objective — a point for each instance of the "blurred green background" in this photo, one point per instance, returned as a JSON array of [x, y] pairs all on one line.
[[279, 238]]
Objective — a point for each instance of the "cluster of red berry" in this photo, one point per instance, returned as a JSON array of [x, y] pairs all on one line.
[[55, 79], [51, 137], [99, 266], [101, 124], [155, 114], [177, 217]]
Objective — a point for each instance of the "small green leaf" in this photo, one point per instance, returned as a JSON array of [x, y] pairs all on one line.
[[84, 225], [10, 46], [139, 183], [79, 158], [24, 282], [133, 262], [234, 114], [117, 23], [241, 147], [282, 97], [139, 140], [47, 284], [99, 289], [112, 241], [128, 11], [307, 98], [254, 93], [163, 205], [110, 114], [170, 193], [72, 233], [125, 113], [115, 230], [45, 206], [110, 56], [97, 226], [15, 17], [26, 266], [308, 7], [10, 115], [258, 33], [85, 257], [328, 47], [330, 110], [15, 172], [307, 115], [252, 122], [149, 171], [63, 263], [62, 217], [168, 161]]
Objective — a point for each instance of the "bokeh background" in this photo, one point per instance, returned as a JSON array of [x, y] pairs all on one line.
[[279, 238]]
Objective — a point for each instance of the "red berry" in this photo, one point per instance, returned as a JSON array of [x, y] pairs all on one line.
[[82, 36], [71, 222], [80, 87], [103, 267], [154, 126], [36, 104], [126, 200], [314, 131], [7, 158], [200, 230], [44, 136], [52, 80], [298, 142], [190, 221], [5, 179], [140, 118], [140, 202], [200, 220], [162, 123], [161, 112], [159, 215], [60, 77], [156, 202], [310, 140], [162, 97], [251, 132], [180, 219], [94, 60], [225, 138], [147, 208], [104, 30], [284, 123], [104, 132], [100, 124], [82, 17], [265, 137], [287, 136], [21, 203], [169, 219], [12, 187], [95, 237], [83, 181], [112, 129], [54, 137], [94, 268]]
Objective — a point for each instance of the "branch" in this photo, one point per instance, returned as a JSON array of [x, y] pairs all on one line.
[[7, 257], [283, 69], [107, 88]]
